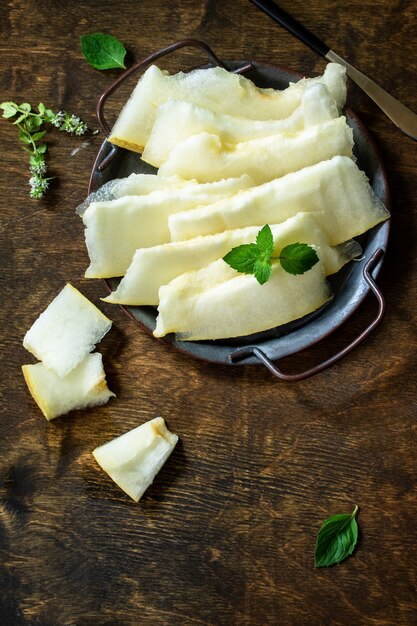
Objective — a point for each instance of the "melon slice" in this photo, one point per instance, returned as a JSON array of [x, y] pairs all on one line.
[[84, 386], [133, 185], [216, 89], [153, 267], [177, 120], [207, 159], [115, 229], [336, 189], [66, 331], [215, 303], [134, 459]]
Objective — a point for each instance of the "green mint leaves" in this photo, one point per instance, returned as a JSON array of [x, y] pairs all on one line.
[[336, 539], [103, 51], [257, 258], [31, 132]]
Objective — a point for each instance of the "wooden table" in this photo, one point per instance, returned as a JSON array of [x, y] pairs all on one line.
[[226, 534]]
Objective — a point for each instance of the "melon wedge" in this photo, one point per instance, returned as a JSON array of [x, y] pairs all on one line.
[[207, 159], [66, 331], [153, 267], [207, 305], [336, 190], [115, 229], [177, 120], [216, 89], [84, 386], [133, 185], [134, 459]]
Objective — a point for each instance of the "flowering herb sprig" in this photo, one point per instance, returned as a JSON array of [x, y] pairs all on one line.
[[30, 124]]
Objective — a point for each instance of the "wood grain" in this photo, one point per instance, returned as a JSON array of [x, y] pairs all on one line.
[[226, 534]]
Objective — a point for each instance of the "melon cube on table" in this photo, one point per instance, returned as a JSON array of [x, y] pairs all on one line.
[[134, 459], [66, 331], [84, 386]]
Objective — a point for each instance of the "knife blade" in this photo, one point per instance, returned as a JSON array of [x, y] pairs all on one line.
[[399, 114]]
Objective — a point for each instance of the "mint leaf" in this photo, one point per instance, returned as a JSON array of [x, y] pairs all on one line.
[[9, 109], [103, 51], [265, 240], [297, 258], [336, 539], [243, 258], [262, 270]]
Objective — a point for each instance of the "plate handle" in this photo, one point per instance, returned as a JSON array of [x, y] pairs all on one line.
[[243, 353], [194, 43]]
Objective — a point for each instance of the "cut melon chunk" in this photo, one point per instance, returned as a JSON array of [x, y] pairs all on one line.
[[134, 459], [153, 267], [66, 331], [216, 89], [177, 120], [336, 189], [115, 229], [207, 159], [84, 386], [133, 185], [207, 305]]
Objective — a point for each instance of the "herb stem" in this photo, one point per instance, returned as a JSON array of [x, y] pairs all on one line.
[[355, 510]]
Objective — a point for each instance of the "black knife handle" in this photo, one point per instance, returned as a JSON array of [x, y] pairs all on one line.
[[291, 24]]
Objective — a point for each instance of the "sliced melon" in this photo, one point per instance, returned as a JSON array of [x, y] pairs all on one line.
[[206, 305], [115, 229], [84, 386], [336, 189], [216, 89], [177, 120], [153, 267], [133, 185], [207, 159], [134, 459], [66, 331]]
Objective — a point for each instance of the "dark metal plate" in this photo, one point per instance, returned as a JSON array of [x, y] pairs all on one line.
[[348, 285]]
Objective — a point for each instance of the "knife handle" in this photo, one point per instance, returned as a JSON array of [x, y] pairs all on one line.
[[291, 24]]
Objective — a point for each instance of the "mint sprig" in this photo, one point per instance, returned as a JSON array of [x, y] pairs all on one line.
[[30, 124], [103, 51], [336, 539], [257, 258]]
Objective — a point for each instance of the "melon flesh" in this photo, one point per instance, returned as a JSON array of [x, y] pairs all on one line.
[[66, 331], [134, 459], [153, 267], [133, 185], [207, 305], [84, 386], [178, 120], [207, 159], [116, 228], [335, 190], [218, 90]]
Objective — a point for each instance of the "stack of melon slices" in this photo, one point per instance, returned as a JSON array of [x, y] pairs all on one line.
[[231, 157], [67, 377]]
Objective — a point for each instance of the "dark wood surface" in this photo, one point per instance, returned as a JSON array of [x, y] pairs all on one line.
[[226, 534]]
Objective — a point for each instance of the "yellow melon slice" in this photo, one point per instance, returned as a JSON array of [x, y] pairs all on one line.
[[156, 266], [216, 89], [85, 386], [207, 159], [215, 303], [133, 185], [115, 229], [336, 190], [177, 120], [134, 459], [66, 331]]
